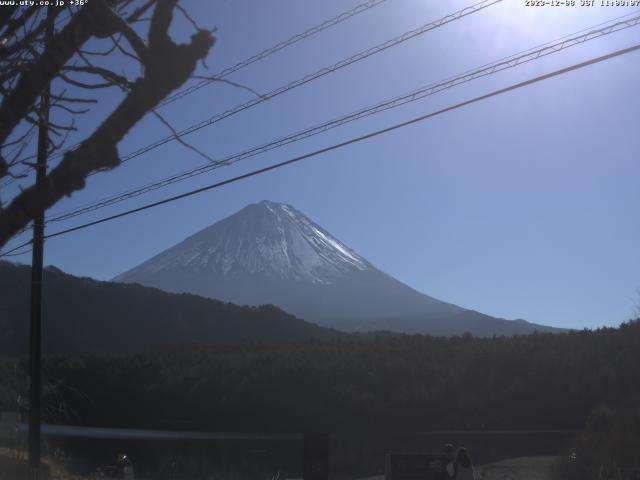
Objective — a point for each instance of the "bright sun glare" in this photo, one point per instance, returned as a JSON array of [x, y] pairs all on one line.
[[538, 22]]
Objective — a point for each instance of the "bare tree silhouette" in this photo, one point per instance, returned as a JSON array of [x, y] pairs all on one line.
[[28, 65]]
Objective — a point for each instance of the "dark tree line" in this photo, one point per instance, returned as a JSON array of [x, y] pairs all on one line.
[[609, 447], [115, 317], [390, 383]]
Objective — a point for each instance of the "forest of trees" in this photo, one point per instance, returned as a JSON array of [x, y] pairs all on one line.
[[115, 317], [382, 382], [609, 447], [260, 369], [579, 380]]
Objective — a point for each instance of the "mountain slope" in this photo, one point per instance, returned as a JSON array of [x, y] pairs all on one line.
[[84, 315], [271, 253]]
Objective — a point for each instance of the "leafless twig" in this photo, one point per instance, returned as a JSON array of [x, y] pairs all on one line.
[[229, 82], [179, 139]]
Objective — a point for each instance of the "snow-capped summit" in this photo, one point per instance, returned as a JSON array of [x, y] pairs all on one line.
[[267, 238], [269, 252]]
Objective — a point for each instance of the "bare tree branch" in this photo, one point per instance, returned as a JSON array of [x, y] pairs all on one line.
[[70, 110], [179, 139], [11, 25], [101, 54], [140, 11], [229, 82], [167, 66], [105, 73], [124, 51], [88, 86], [32, 82], [6, 15], [62, 97], [189, 18], [29, 36]]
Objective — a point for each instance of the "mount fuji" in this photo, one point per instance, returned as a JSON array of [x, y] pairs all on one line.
[[270, 253]]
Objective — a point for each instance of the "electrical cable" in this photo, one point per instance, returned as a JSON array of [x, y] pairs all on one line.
[[363, 7], [351, 141], [488, 69], [306, 79]]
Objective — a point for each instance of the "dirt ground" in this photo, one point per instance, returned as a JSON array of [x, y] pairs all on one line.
[[523, 468]]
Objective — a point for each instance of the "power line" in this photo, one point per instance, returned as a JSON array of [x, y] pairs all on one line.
[[10, 253], [363, 7], [485, 70], [18, 254], [310, 77], [355, 139], [313, 76], [276, 48]]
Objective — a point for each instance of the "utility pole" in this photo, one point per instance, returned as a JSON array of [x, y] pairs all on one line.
[[315, 461], [35, 344]]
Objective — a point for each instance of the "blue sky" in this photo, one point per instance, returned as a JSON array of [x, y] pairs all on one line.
[[522, 206]]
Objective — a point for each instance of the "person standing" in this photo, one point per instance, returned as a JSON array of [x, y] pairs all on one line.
[[128, 470], [464, 465], [127, 467], [444, 467]]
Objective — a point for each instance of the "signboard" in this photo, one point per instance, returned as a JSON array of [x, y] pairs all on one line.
[[410, 466]]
